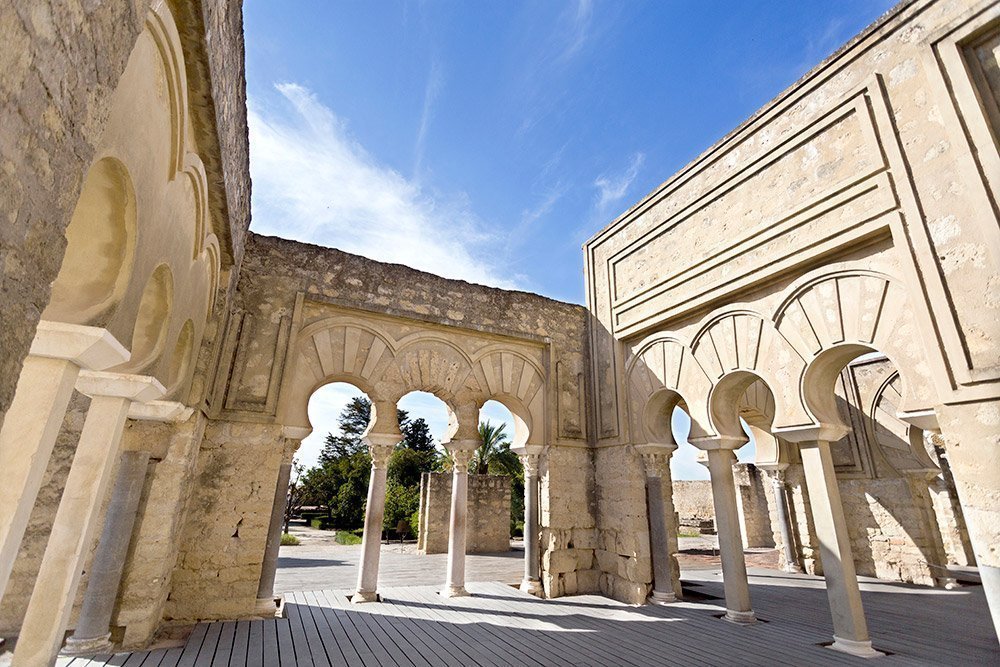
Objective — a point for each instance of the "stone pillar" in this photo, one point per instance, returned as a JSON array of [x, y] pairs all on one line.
[[727, 524], [92, 634], [656, 460], [380, 447], [850, 631], [51, 601], [265, 589], [972, 436], [32, 423], [784, 520], [461, 452], [532, 582]]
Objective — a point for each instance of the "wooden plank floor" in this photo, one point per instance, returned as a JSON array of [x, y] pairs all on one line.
[[498, 625]]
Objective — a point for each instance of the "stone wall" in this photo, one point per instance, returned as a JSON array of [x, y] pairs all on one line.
[[156, 537], [488, 520], [752, 503], [693, 502], [569, 534], [223, 539]]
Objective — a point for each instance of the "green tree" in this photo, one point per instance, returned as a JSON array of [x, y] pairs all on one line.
[[494, 455], [400, 504], [416, 434]]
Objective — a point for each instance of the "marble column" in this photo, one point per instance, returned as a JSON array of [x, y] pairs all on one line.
[[92, 634], [727, 525], [380, 447], [34, 418], [461, 453], [93, 628], [850, 630], [265, 589], [784, 520], [532, 582], [51, 601], [656, 461]]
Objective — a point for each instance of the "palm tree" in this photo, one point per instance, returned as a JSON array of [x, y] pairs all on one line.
[[494, 456]]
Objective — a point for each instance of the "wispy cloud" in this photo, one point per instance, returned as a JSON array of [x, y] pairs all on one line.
[[576, 28], [612, 188], [314, 182], [435, 82]]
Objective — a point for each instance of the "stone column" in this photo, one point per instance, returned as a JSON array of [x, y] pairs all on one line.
[[265, 589], [92, 633], [656, 460], [784, 522], [532, 582], [972, 435], [727, 524], [34, 418], [461, 452], [850, 630], [380, 447], [51, 601]]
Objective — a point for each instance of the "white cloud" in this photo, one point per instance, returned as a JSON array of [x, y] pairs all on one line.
[[313, 181], [611, 189], [576, 29], [435, 82]]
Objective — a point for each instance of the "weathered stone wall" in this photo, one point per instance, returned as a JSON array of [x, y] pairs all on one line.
[[488, 520], [223, 539], [569, 535], [156, 537], [58, 69], [693, 502], [755, 520]]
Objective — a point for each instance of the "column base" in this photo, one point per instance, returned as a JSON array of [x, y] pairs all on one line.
[[265, 607], [740, 617], [858, 649], [454, 592], [360, 597], [87, 646], [793, 569], [661, 598], [532, 587]]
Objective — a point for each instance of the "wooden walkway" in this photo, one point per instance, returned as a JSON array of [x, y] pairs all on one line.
[[501, 626]]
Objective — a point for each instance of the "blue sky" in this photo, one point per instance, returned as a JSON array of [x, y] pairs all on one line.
[[488, 140]]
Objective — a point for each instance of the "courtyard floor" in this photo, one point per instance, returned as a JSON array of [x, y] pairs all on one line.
[[499, 625]]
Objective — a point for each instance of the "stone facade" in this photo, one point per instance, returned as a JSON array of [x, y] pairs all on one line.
[[693, 503], [853, 214], [488, 528]]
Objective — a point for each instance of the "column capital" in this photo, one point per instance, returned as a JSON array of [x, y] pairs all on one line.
[[530, 457], [380, 447], [137, 388], [804, 434], [461, 452], [656, 457], [291, 446], [92, 348]]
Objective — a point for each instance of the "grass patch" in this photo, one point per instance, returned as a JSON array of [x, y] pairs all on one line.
[[347, 537], [289, 540], [689, 533]]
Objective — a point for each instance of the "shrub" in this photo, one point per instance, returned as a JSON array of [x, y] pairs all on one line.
[[289, 540], [347, 537]]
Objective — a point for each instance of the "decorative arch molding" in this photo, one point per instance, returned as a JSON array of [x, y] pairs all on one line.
[[899, 443], [665, 363], [515, 380], [194, 170], [830, 318], [740, 340], [161, 27]]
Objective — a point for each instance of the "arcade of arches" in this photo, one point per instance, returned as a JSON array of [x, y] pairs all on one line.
[[828, 272]]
